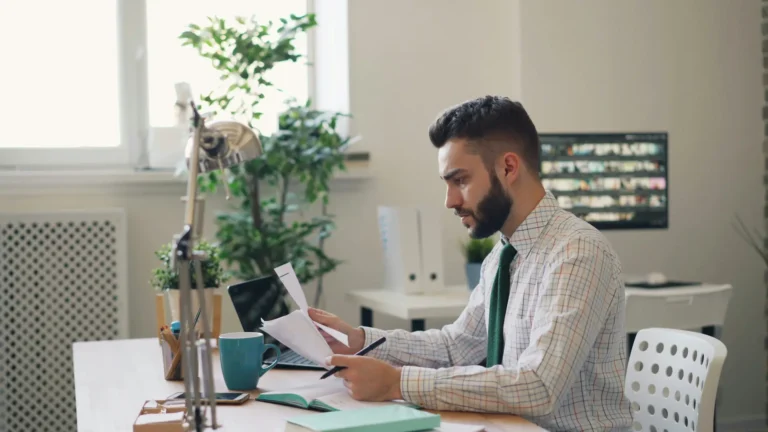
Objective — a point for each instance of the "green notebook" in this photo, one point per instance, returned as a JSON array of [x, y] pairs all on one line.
[[325, 395], [391, 418]]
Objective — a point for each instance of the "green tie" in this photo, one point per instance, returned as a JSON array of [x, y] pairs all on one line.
[[499, 298]]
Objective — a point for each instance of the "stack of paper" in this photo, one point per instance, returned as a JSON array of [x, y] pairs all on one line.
[[296, 330]]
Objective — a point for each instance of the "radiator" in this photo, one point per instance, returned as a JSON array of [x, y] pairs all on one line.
[[62, 280]]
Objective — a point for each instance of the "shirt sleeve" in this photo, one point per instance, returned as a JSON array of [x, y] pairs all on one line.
[[462, 342], [576, 298]]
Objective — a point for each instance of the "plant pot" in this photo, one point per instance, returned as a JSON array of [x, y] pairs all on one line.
[[174, 304], [473, 274]]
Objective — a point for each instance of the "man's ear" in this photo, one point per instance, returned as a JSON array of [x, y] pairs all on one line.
[[511, 165]]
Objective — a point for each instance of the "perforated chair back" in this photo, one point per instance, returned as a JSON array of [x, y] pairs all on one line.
[[672, 380]]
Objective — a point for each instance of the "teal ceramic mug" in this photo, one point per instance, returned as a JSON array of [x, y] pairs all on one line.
[[242, 359]]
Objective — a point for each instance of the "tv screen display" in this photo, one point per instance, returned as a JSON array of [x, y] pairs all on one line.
[[612, 181]]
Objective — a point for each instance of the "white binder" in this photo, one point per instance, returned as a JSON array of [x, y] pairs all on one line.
[[399, 233], [430, 229], [412, 246]]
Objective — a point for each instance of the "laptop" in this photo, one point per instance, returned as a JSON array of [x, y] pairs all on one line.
[[253, 301]]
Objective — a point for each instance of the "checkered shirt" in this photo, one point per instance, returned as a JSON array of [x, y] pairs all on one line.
[[565, 353]]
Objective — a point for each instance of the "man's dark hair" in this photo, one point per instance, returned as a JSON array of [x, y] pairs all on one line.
[[492, 124]]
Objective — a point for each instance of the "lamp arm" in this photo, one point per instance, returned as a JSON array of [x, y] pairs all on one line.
[[194, 169], [225, 143], [185, 257]]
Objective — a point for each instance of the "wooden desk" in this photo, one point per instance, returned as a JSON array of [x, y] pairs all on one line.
[[114, 378]]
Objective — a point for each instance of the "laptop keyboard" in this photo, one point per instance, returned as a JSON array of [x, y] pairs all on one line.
[[292, 358]]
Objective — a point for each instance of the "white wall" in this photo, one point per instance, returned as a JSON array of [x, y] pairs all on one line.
[[691, 68], [404, 71]]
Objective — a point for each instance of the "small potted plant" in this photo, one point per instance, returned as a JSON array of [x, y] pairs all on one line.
[[166, 279], [475, 251]]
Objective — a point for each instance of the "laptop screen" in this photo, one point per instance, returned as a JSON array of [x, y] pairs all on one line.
[[257, 299]]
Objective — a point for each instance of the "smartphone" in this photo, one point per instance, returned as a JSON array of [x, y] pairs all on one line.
[[230, 398]]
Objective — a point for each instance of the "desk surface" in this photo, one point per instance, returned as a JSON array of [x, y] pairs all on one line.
[[114, 378]]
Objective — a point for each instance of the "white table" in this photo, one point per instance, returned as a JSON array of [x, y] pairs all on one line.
[[411, 307], [114, 378], [689, 307]]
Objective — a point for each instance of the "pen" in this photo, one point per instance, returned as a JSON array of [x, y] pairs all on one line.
[[363, 351], [197, 316]]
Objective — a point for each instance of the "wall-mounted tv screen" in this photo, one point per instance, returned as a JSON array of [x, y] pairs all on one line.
[[611, 180]]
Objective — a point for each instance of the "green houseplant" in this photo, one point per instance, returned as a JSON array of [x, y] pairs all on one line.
[[475, 251], [269, 225], [165, 277]]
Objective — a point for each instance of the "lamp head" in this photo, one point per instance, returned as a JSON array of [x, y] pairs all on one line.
[[225, 143]]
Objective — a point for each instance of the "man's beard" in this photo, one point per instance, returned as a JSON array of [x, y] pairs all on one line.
[[492, 211]]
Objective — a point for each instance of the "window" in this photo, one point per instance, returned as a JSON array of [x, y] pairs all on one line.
[[60, 85], [169, 62], [80, 89]]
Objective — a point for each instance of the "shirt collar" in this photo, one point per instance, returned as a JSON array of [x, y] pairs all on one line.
[[527, 233]]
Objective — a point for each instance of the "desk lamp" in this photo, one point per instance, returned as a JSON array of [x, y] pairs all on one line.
[[215, 146]]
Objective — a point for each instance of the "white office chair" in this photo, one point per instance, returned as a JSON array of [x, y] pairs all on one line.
[[672, 380]]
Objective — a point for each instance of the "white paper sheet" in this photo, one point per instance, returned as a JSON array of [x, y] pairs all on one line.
[[291, 282], [315, 389], [339, 336], [342, 401], [296, 330], [299, 333]]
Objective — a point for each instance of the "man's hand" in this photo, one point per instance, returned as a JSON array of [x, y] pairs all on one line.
[[356, 335], [368, 379]]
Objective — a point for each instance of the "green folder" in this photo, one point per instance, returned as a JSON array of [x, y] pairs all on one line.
[[389, 418]]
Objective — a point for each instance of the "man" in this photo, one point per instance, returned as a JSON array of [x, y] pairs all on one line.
[[547, 315]]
